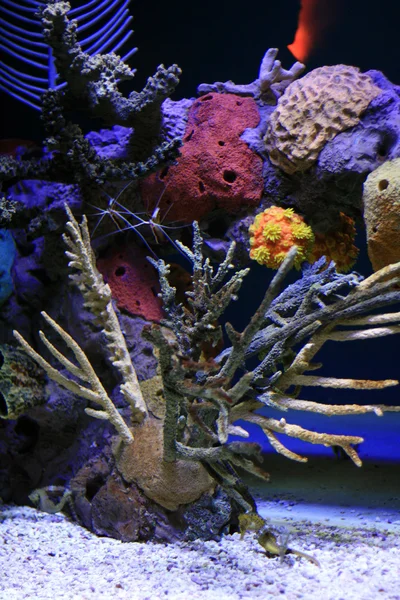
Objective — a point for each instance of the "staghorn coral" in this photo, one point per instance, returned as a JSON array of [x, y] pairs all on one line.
[[382, 213], [274, 232], [207, 397], [313, 110]]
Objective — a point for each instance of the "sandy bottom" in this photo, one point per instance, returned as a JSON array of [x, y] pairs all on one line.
[[347, 519], [46, 557]]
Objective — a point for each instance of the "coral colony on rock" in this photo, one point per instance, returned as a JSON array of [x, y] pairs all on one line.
[[122, 409]]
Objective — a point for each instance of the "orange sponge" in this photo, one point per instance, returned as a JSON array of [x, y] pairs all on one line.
[[337, 245]]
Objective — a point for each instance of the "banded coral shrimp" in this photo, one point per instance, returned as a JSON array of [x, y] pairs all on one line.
[[126, 220]]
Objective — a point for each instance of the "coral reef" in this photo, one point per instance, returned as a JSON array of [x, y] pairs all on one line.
[[204, 398], [216, 169], [274, 232], [382, 213], [313, 110], [130, 422]]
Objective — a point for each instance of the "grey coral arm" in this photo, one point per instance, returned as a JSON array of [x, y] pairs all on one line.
[[307, 313], [267, 88], [95, 78]]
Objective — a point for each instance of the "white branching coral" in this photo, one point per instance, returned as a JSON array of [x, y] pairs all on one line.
[[98, 300], [97, 297]]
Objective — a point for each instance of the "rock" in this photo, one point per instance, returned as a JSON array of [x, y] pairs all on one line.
[[105, 503], [168, 484], [382, 214]]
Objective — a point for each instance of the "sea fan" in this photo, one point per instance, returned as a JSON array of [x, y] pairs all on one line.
[[103, 27]]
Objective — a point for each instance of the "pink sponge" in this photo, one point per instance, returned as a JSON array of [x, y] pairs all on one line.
[[216, 168], [133, 281]]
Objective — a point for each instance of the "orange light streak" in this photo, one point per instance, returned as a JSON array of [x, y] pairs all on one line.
[[315, 17]]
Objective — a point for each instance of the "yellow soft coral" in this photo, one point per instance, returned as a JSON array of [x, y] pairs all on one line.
[[274, 232], [337, 245]]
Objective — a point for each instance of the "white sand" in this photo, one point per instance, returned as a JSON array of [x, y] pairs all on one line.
[[46, 557]]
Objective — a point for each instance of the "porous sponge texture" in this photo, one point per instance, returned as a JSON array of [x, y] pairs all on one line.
[[274, 232], [381, 198], [313, 110]]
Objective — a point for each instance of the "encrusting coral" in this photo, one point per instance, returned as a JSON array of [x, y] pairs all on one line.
[[22, 383], [337, 245]]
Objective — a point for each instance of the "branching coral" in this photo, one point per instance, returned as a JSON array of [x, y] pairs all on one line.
[[97, 296], [92, 85], [267, 88], [204, 399]]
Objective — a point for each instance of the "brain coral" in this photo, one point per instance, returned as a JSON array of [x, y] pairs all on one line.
[[381, 199], [274, 232], [313, 110]]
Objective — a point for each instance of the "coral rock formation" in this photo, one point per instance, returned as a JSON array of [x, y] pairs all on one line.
[[382, 214], [133, 281], [216, 168], [170, 484], [313, 110]]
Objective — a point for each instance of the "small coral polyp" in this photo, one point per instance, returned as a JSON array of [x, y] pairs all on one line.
[[274, 232]]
